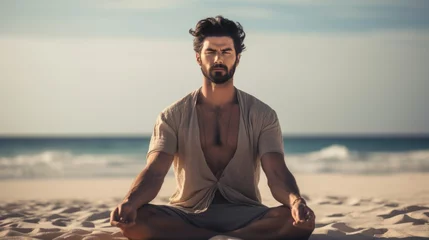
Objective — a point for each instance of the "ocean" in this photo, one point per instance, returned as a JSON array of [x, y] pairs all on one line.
[[73, 157]]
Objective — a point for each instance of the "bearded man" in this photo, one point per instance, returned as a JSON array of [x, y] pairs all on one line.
[[217, 138]]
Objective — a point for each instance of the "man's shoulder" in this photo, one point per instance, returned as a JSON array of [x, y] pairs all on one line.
[[255, 104], [180, 105]]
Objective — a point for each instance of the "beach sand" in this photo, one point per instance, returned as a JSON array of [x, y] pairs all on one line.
[[349, 207]]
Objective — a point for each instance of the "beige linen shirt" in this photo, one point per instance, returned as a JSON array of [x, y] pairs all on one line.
[[177, 132]]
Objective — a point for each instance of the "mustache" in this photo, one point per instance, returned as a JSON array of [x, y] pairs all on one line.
[[219, 66]]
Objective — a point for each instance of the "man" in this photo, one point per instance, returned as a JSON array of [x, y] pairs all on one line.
[[217, 138]]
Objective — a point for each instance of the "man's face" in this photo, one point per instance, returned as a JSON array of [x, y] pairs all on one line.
[[218, 59]]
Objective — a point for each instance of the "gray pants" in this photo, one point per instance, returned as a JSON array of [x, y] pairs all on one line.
[[221, 216]]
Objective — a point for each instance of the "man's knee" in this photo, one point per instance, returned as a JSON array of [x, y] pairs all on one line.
[[141, 229], [145, 212], [288, 230], [138, 231], [293, 232]]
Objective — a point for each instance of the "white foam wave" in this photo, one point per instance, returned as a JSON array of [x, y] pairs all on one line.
[[337, 158], [65, 164], [332, 153]]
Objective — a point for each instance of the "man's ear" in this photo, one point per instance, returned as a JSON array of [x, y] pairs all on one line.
[[238, 59], [198, 58]]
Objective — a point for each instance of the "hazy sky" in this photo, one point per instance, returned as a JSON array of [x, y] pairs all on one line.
[[109, 67]]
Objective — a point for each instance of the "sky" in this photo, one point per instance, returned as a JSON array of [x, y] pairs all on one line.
[[110, 67]]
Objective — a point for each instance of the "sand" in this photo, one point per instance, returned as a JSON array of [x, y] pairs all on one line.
[[347, 207]]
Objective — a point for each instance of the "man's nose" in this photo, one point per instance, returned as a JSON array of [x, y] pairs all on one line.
[[218, 59]]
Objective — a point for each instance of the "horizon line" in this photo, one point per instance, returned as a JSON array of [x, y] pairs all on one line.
[[285, 135]]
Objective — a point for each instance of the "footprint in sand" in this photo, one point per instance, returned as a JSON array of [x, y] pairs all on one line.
[[333, 197], [408, 209], [391, 204], [354, 202], [97, 216], [22, 230], [32, 220], [12, 215], [10, 225], [71, 210], [88, 224], [344, 228], [333, 200], [55, 216], [61, 222], [11, 233], [330, 202], [43, 230], [336, 215], [102, 206], [404, 218], [371, 231]]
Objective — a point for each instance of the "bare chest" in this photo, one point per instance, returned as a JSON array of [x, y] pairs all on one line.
[[219, 136]]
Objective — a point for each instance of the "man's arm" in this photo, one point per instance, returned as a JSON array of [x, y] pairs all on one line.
[[148, 183], [281, 182]]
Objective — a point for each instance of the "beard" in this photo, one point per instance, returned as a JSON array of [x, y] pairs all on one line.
[[219, 77]]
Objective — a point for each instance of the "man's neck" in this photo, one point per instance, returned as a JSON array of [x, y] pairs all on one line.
[[218, 95]]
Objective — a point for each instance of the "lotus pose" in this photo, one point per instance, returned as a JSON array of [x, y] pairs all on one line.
[[217, 138]]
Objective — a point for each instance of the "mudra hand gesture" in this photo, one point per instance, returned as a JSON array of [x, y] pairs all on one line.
[[302, 215]]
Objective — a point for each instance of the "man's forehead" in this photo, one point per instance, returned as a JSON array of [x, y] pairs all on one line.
[[218, 42]]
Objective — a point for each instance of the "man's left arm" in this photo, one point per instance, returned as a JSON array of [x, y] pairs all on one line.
[[281, 182], [284, 188], [270, 147]]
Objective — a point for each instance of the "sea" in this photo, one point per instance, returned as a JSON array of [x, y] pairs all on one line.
[[112, 157]]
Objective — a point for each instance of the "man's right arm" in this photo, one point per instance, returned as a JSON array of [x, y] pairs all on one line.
[[148, 183]]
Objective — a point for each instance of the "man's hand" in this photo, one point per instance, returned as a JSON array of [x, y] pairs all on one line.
[[303, 216], [143, 190], [123, 216]]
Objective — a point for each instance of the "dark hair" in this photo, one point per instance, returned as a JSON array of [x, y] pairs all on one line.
[[218, 27]]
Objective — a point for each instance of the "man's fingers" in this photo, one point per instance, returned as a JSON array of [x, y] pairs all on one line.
[[302, 213], [114, 217], [123, 216], [304, 225], [308, 223], [122, 225]]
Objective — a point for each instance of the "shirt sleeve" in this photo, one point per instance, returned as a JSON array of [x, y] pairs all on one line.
[[164, 135], [270, 138]]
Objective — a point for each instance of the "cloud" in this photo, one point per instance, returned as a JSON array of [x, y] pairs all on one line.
[[243, 12], [171, 18], [140, 4], [339, 2]]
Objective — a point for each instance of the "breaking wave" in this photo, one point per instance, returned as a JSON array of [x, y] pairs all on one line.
[[333, 159], [339, 159], [50, 164]]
